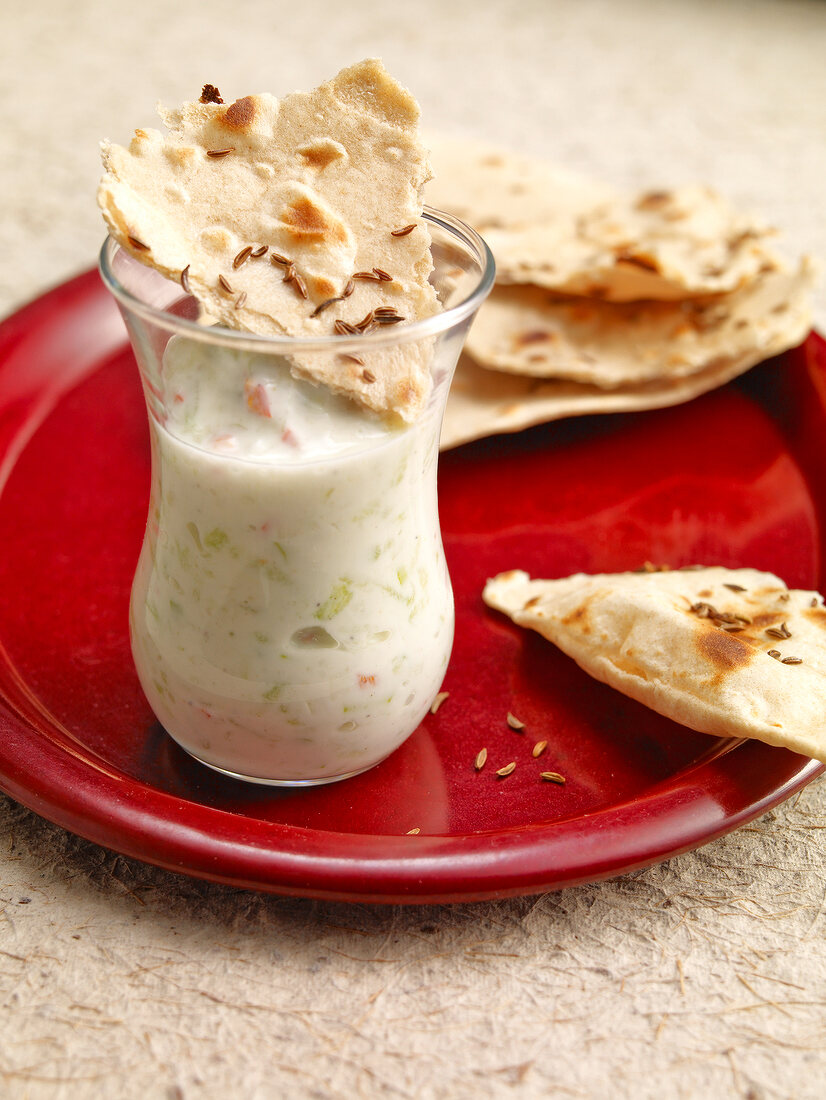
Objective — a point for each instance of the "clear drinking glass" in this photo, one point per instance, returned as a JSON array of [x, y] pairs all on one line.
[[291, 616]]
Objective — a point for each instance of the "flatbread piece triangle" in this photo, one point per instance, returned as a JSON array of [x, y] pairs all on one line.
[[728, 652]]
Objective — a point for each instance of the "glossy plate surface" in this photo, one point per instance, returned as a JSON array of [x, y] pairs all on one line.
[[733, 478]]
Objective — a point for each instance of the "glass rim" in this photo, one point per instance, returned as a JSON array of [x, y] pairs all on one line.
[[218, 334]]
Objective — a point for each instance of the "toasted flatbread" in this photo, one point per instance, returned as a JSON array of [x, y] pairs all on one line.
[[485, 402], [322, 179], [660, 245], [530, 331], [728, 652], [550, 227]]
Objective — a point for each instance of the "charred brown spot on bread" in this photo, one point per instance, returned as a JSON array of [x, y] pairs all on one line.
[[738, 239], [816, 615], [319, 154], [319, 158], [653, 200], [182, 155], [579, 617], [321, 287], [240, 114], [535, 336], [762, 619], [725, 651], [307, 222], [637, 259]]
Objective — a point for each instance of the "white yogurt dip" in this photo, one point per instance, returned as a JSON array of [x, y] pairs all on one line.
[[291, 616]]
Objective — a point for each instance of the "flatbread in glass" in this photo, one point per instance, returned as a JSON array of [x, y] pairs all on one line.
[[270, 207]]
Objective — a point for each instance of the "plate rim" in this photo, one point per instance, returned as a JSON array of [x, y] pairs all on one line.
[[128, 815]]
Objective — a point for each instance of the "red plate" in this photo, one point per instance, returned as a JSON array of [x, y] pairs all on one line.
[[735, 478]]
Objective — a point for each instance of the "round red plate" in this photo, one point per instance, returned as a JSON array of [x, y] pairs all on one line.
[[733, 478]]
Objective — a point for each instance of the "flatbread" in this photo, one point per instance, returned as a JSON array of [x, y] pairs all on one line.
[[662, 245], [694, 645], [604, 301], [323, 179], [529, 331], [485, 402], [555, 229]]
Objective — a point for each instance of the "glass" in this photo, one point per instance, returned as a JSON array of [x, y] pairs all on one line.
[[291, 615]]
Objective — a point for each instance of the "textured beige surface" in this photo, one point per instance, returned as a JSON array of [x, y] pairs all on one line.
[[703, 977]]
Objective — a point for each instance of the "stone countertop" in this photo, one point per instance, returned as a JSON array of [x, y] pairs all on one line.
[[703, 976]]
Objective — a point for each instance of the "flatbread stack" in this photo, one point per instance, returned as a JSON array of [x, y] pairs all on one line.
[[607, 302], [285, 217], [728, 652]]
